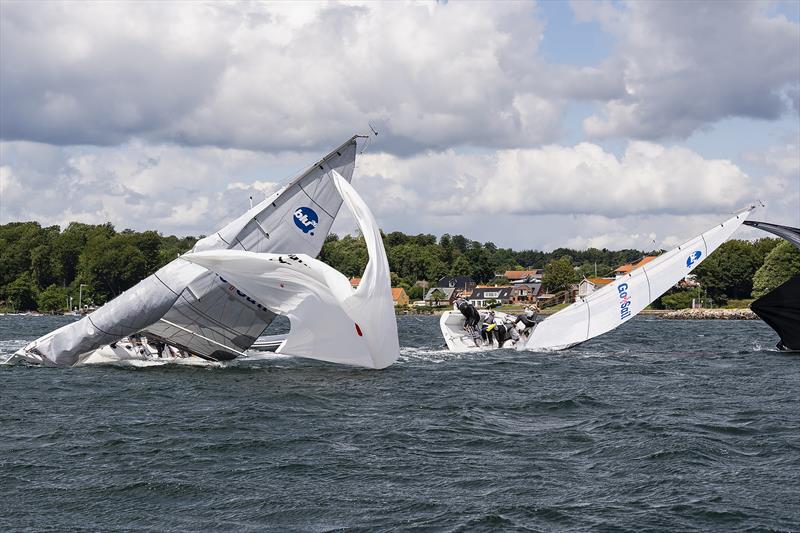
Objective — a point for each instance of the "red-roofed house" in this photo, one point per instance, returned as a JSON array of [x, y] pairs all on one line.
[[627, 268], [399, 296]]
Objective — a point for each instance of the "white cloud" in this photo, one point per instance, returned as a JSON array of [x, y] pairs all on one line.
[[275, 76], [689, 64], [582, 179]]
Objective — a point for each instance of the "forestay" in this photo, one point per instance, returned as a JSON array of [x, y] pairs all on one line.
[[194, 309], [329, 320], [618, 302]]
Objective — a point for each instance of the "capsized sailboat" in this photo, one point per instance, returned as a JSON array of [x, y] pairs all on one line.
[[329, 320], [612, 305], [780, 308], [192, 309]]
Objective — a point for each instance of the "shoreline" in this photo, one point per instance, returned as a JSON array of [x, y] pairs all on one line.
[[679, 314]]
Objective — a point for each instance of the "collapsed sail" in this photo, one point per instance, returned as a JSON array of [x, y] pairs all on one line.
[[191, 308], [780, 308], [329, 320], [618, 302]]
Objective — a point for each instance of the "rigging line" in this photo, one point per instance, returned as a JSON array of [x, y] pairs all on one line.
[[190, 332], [315, 202]]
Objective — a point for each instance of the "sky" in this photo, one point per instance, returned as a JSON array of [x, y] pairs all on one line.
[[530, 125]]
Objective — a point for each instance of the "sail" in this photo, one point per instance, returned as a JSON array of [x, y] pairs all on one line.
[[329, 320], [618, 302], [192, 308], [780, 308], [788, 233]]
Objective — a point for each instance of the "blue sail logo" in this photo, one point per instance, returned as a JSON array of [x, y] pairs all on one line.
[[694, 258], [306, 219]]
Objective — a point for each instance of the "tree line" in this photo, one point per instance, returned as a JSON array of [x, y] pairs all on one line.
[[42, 267]]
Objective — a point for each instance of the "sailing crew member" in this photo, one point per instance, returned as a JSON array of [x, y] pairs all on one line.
[[528, 318], [487, 325], [505, 331], [471, 315]]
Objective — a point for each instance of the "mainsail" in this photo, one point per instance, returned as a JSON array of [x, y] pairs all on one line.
[[618, 302], [194, 309], [329, 320], [780, 308]]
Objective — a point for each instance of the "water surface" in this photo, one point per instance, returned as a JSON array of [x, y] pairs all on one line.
[[679, 425]]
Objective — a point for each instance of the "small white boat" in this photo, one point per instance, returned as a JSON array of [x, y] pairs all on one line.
[[459, 339]]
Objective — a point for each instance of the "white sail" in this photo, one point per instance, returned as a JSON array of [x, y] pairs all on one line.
[[192, 308], [618, 302], [329, 320]]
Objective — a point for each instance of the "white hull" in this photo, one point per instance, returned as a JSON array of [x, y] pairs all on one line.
[[460, 340]]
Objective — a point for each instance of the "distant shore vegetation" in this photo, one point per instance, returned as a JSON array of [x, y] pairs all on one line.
[[42, 267]]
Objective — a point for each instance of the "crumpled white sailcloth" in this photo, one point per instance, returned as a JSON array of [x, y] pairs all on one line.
[[329, 320]]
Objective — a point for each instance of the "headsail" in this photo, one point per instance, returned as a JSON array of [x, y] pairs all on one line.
[[194, 309], [618, 302], [329, 321]]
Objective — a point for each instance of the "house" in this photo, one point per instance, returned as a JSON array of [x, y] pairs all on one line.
[[440, 296], [524, 276], [589, 285], [525, 292], [483, 295], [399, 296], [627, 268], [462, 283]]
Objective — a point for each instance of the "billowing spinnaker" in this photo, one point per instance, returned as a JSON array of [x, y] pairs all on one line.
[[194, 305], [618, 302], [329, 321]]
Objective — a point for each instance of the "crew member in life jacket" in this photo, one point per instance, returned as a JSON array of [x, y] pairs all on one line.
[[471, 315], [487, 326], [505, 332], [528, 319]]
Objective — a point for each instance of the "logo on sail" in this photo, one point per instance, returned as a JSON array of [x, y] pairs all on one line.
[[624, 301], [692, 259], [306, 219]]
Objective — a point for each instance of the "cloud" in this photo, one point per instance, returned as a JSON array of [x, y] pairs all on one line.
[[136, 185], [582, 179], [272, 76], [687, 65]]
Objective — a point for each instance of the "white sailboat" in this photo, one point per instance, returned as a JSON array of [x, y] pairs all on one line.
[[611, 306], [193, 310]]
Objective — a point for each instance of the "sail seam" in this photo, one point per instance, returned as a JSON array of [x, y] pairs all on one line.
[[705, 244], [315, 202], [588, 319], [649, 290]]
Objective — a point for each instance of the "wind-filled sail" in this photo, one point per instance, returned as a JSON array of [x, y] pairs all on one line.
[[192, 308], [618, 302], [329, 320], [780, 308]]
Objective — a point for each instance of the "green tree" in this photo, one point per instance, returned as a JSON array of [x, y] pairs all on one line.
[[779, 266], [416, 293], [52, 299], [728, 272], [678, 299], [461, 267], [21, 293], [559, 275]]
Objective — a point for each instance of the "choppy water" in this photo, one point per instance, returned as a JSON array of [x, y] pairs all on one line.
[[661, 425]]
